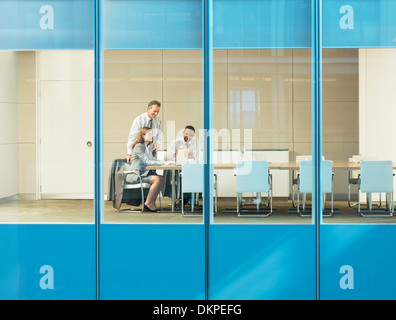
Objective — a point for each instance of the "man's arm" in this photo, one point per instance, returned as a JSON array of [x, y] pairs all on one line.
[[136, 126], [158, 135]]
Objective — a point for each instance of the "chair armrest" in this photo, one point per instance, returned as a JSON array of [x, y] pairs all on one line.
[[132, 171]]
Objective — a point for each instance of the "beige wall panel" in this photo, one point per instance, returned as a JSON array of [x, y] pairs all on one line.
[[302, 122], [340, 152], [340, 75], [220, 115], [301, 149], [273, 146], [66, 65], [182, 76], [220, 75], [132, 75], [27, 123], [8, 77], [260, 75], [8, 123], [27, 77], [27, 168], [179, 115], [118, 118], [270, 121], [340, 121], [302, 75], [8, 170]]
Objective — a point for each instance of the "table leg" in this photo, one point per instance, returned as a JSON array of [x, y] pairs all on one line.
[[173, 190]]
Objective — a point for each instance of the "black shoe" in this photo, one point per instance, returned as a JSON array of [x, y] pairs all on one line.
[[147, 209]]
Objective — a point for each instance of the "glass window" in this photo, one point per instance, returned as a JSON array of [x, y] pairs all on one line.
[[47, 112], [358, 66], [261, 109], [152, 78]]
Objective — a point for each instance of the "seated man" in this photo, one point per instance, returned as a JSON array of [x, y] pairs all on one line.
[[183, 143], [187, 142]]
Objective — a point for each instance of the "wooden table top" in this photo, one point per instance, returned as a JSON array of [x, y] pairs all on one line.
[[272, 166]]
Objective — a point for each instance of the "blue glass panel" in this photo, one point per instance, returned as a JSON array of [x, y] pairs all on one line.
[[51, 24], [262, 262], [261, 24], [152, 262], [359, 23], [47, 262], [357, 262], [158, 24]]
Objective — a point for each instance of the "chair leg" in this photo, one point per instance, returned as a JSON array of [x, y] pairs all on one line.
[[298, 200], [258, 199], [141, 188], [271, 195], [349, 195], [369, 205], [389, 207], [215, 193]]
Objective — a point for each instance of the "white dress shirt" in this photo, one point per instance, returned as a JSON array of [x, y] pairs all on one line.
[[144, 121], [179, 143]]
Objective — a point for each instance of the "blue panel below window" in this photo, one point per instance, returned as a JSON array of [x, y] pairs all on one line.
[[31, 254], [156, 24], [359, 23], [51, 24], [357, 262], [145, 262], [261, 24], [262, 262]]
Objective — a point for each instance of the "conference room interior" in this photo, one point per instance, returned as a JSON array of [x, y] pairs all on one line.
[[261, 111]]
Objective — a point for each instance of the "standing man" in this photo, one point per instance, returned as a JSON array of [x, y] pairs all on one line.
[[148, 119]]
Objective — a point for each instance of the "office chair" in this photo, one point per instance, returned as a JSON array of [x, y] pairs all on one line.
[[253, 176], [376, 176], [353, 176], [295, 173], [305, 185], [192, 177], [135, 186]]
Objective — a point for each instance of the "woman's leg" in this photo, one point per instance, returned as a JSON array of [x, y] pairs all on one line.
[[157, 182]]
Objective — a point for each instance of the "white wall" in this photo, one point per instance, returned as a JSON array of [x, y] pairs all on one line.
[[8, 124], [377, 103]]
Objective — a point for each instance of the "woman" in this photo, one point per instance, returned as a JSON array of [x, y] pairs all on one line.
[[142, 156]]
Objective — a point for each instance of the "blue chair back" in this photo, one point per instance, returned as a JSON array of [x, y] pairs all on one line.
[[376, 176], [192, 176], [252, 176], [306, 178]]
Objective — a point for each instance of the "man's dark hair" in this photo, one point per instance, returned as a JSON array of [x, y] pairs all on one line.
[[154, 102], [190, 127]]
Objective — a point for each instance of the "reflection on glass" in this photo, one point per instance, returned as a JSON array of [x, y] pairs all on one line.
[[262, 112], [161, 90], [357, 127], [47, 128]]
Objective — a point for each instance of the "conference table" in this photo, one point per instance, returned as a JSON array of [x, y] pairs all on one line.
[[292, 166]]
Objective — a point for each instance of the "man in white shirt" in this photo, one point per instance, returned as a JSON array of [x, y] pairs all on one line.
[[185, 142], [148, 119]]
